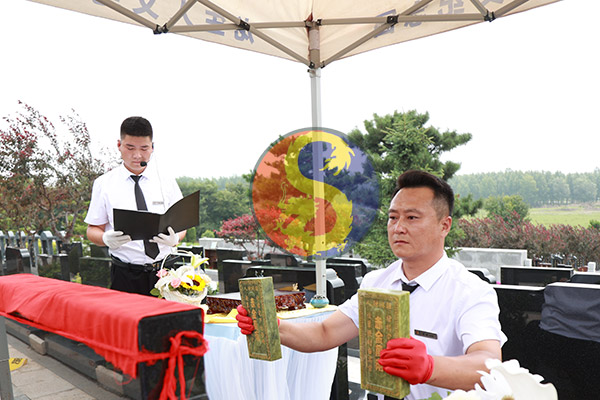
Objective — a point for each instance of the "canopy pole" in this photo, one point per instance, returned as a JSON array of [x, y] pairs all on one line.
[[320, 263], [315, 96], [320, 298]]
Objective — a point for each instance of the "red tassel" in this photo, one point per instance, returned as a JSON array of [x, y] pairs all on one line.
[[177, 351]]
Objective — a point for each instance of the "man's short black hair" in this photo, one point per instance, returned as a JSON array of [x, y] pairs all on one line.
[[443, 194], [136, 126]]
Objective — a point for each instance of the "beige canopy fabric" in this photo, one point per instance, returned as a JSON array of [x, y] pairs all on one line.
[[313, 32]]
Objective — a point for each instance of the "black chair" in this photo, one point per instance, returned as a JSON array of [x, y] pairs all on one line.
[[520, 311], [568, 340], [586, 277]]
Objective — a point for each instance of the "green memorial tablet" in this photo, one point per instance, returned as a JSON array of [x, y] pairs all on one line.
[[382, 315], [258, 299]]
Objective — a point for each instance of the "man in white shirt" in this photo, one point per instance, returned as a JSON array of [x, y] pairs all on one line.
[[133, 186], [453, 313]]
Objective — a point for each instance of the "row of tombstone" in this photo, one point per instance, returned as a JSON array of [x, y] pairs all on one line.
[[59, 266], [43, 243], [343, 274], [29, 245], [67, 264]]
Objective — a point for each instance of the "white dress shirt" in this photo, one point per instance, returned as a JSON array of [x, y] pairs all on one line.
[[452, 308], [115, 189]]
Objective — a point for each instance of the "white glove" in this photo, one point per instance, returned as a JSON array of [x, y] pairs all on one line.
[[172, 239], [115, 239]]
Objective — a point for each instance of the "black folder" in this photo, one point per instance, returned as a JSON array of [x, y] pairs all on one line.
[[142, 225]]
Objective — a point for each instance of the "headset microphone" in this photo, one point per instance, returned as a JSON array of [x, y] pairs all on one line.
[[143, 163]]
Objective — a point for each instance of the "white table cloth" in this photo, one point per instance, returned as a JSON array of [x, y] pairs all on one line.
[[231, 375]]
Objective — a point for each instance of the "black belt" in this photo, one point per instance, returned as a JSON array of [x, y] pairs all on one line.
[[371, 396], [153, 267]]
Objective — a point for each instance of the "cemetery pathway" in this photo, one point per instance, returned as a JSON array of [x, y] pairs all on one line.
[[44, 378]]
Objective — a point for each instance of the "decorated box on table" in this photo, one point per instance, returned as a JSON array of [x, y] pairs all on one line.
[[284, 301], [382, 315], [258, 299]]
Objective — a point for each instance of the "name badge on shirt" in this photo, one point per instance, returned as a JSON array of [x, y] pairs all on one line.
[[429, 335], [157, 203]]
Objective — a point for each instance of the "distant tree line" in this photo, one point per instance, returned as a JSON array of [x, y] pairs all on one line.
[[536, 188]]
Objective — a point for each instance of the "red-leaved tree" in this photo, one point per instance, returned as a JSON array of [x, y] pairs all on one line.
[[46, 176], [244, 231]]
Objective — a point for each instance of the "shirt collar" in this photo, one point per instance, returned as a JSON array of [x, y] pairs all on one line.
[[125, 174], [428, 278]]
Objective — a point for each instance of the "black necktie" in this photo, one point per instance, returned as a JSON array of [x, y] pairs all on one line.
[[151, 249], [409, 288]]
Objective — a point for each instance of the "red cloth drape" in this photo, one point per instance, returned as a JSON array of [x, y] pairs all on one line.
[[105, 320]]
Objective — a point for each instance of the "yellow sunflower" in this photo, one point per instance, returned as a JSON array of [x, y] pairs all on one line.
[[198, 284]]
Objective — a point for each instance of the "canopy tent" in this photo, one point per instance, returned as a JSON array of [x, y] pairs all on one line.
[[312, 32]]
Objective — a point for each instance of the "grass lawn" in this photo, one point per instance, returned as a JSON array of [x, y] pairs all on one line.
[[572, 214]]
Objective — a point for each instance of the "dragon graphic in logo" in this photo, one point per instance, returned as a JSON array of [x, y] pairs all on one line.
[[314, 193]]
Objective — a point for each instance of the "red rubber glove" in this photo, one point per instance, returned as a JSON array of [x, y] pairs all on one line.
[[244, 321], [408, 359]]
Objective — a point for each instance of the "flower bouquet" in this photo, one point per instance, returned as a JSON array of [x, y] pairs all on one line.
[[186, 284]]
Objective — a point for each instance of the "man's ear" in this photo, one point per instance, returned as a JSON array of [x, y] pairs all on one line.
[[446, 224], [118, 143]]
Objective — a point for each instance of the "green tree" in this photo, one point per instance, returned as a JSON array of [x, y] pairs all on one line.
[[190, 235], [506, 206], [46, 178], [208, 234], [396, 143], [542, 182], [583, 188], [401, 141], [559, 189], [220, 200], [488, 186], [528, 188]]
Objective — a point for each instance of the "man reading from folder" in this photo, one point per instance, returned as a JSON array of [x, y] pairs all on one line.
[[453, 314], [133, 186]]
